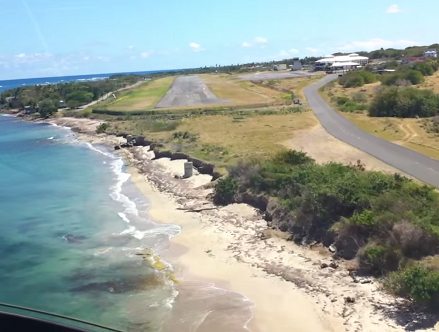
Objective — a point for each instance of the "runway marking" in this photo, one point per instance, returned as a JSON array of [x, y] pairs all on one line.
[[416, 163], [431, 169]]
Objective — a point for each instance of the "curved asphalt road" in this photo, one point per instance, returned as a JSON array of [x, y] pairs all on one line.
[[417, 165]]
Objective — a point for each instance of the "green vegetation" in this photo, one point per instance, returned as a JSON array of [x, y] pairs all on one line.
[[144, 97], [102, 128], [47, 107], [404, 102], [357, 78], [74, 94], [225, 191], [387, 222], [344, 104], [400, 77], [417, 283]]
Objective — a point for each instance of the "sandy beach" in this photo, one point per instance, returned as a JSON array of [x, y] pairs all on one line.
[[252, 278]]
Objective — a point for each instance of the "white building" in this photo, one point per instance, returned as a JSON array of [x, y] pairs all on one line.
[[351, 60], [430, 54]]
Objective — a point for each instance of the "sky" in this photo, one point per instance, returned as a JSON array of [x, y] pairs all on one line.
[[44, 38]]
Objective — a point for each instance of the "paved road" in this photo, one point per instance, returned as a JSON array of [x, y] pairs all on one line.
[[188, 91], [276, 75], [417, 165]]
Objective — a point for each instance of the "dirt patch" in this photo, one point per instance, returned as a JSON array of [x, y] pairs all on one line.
[[322, 147]]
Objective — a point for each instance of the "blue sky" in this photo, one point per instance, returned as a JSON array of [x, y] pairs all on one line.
[[71, 37]]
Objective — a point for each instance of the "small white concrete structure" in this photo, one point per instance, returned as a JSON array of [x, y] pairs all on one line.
[[188, 169], [297, 65]]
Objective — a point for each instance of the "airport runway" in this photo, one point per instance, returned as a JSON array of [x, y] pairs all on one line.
[[276, 75], [188, 91], [417, 165]]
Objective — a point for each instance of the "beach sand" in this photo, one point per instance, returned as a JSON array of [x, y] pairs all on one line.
[[237, 275]]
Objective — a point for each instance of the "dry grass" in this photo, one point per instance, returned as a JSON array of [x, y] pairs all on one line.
[[431, 83], [406, 132], [225, 139], [240, 92], [295, 85]]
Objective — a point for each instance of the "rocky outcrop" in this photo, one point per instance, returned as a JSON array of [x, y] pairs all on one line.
[[201, 166]]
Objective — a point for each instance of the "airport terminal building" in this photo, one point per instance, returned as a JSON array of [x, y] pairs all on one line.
[[345, 62]]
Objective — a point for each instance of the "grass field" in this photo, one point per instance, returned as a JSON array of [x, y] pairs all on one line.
[[240, 92], [225, 139], [406, 132], [144, 97], [295, 85]]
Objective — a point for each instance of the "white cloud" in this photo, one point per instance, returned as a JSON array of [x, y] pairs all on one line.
[[103, 58], [146, 54], [288, 53], [393, 9], [130, 47], [312, 49], [260, 40], [376, 43], [257, 41], [86, 58], [29, 58], [196, 47]]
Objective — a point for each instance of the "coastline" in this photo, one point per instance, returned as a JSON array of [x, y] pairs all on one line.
[[232, 247]]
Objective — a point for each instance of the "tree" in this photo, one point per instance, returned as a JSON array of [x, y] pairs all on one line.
[[46, 108], [72, 104]]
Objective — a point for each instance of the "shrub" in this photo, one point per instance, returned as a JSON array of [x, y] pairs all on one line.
[[386, 220], [404, 102], [225, 191], [341, 100], [367, 76], [425, 68], [293, 157], [413, 76], [417, 283], [102, 128], [352, 106], [379, 258], [359, 97]]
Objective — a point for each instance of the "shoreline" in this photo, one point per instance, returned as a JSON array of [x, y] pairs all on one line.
[[286, 283]]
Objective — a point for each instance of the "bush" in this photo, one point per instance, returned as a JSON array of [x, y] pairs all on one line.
[[386, 220], [351, 80], [367, 76], [357, 78], [225, 191], [352, 106], [413, 76], [341, 100], [46, 108], [417, 283], [380, 259], [102, 128], [404, 102], [425, 69], [359, 97]]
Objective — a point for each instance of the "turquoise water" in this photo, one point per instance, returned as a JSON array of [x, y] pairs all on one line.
[[70, 225]]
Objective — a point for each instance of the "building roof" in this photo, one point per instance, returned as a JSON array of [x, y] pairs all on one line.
[[343, 58], [342, 64]]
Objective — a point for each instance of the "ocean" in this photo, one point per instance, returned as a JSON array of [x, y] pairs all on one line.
[[71, 223], [10, 84]]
